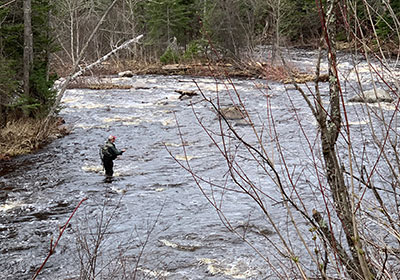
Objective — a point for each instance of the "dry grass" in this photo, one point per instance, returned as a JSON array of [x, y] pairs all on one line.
[[21, 136], [108, 86], [281, 74], [83, 83]]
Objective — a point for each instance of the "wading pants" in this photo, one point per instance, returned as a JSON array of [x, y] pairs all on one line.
[[108, 166]]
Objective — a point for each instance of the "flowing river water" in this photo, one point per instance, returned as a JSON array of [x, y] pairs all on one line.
[[152, 213]]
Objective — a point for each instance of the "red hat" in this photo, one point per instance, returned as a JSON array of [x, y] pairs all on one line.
[[112, 137]]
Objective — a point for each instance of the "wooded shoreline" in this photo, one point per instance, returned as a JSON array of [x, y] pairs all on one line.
[[248, 70], [21, 136]]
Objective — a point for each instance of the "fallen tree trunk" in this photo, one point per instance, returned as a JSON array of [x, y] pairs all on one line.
[[73, 76]]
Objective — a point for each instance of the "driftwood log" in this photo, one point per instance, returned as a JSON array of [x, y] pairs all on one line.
[[186, 93]]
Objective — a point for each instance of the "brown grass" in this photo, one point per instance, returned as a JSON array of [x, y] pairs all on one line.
[[21, 136], [97, 85]]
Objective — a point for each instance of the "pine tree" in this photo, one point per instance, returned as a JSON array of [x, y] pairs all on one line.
[[37, 98], [169, 19]]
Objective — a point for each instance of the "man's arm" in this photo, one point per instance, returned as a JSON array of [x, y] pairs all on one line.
[[116, 152]]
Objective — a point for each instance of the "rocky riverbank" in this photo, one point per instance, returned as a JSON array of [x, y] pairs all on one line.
[[249, 70]]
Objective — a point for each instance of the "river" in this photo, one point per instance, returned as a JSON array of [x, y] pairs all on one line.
[[153, 214]]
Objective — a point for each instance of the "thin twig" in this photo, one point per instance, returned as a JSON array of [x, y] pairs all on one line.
[[53, 247], [6, 4]]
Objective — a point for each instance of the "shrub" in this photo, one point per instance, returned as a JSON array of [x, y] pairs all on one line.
[[195, 50], [170, 56]]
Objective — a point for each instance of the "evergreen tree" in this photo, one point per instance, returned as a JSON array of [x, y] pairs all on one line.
[[301, 23], [388, 25], [169, 19], [43, 46], [12, 98], [11, 53]]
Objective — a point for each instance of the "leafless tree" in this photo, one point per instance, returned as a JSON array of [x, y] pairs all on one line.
[[277, 13], [44, 130], [351, 229], [75, 20], [101, 257]]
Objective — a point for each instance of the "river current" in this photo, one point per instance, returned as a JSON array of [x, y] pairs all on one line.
[[152, 221]]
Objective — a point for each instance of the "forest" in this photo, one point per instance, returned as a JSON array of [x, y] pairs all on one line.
[[42, 39], [329, 199]]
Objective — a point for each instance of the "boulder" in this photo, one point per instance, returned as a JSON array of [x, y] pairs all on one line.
[[372, 96], [126, 74], [232, 112]]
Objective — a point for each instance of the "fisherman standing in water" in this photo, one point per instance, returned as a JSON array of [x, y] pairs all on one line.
[[108, 153]]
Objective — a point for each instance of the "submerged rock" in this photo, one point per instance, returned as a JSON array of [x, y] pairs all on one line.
[[232, 112], [184, 247], [185, 94], [372, 96]]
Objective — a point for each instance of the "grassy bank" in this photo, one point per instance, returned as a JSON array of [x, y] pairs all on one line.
[[22, 136]]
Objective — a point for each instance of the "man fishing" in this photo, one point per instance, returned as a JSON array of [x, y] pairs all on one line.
[[108, 153]]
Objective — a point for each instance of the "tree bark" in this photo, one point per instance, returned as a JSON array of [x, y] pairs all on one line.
[[330, 126], [28, 44]]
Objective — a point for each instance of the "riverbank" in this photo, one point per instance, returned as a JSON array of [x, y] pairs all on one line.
[[20, 137], [247, 70]]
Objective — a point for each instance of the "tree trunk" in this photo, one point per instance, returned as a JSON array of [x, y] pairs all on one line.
[[3, 116], [277, 15], [28, 43], [330, 126]]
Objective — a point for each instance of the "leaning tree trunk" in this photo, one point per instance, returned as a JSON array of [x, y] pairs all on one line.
[[28, 43], [330, 125]]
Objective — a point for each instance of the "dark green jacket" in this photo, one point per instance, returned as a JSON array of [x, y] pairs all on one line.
[[110, 152]]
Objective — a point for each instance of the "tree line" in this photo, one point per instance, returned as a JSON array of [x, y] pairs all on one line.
[[342, 241], [175, 30]]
